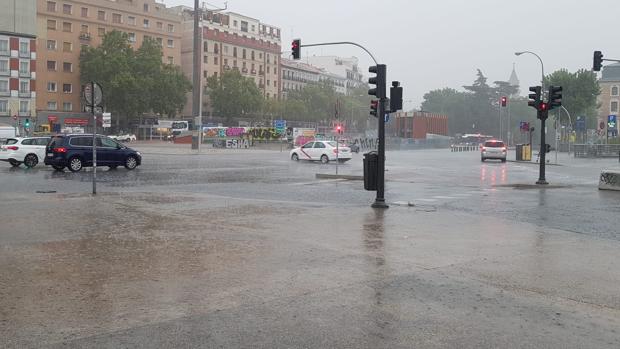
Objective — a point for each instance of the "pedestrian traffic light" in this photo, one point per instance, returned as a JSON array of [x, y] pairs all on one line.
[[543, 111], [374, 104], [598, 61], [547, 148], [504, 101], [339, 129], [27, 123], [296, 48], [396, 97], [534, 98], [555, 96], [378, 81]]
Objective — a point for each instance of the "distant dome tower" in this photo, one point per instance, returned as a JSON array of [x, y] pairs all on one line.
[[514, 80]]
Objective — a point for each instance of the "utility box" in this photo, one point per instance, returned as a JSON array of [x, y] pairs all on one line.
[[371, 170], [519, 152]]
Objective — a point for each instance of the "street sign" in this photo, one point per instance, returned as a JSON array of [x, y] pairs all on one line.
[[580, 125], [87, 94], [280, 125], [524, 126], [611, 122], [106, 120]]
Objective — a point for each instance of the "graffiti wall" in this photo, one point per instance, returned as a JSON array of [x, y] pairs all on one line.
[[251, 133]]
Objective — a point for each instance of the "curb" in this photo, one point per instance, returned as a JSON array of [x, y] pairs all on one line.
[[533, 163], [334, 176]]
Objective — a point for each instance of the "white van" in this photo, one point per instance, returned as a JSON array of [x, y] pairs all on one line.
[[7, 132]]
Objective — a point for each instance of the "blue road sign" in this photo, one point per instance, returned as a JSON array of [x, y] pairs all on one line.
[[580, 124]]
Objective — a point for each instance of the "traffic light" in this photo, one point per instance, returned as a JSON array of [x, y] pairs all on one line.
[[534, 98], [555, 96], [374, 104], [547, 148], [396, 97], [504, 101], [598, 61], [339, 129], [27, 123], [378, 80], [296, 48]]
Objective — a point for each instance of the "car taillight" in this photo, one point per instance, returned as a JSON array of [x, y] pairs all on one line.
[[335, 151], [504, 149], [60, 150], [12, 147]]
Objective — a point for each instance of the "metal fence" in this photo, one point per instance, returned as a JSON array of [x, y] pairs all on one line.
[[596, 150]]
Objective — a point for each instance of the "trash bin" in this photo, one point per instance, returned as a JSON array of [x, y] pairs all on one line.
[[519, 152], [371, 169], [194, 142]]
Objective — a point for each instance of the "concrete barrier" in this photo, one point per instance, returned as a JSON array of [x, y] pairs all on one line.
[[609, 180]]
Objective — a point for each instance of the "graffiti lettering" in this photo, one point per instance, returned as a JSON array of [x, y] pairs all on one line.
[[610, 178], [235, 131], [237, 144], [366, 143]]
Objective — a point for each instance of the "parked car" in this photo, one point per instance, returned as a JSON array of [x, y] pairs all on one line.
[[125, 138], [493, 149], [24, 150], [76, 152], [323, 151]]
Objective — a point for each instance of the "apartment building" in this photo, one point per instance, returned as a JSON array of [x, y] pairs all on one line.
[[609, 99], [296, 75], [346, 68], [65, 26], [18, 53], [232, 41]]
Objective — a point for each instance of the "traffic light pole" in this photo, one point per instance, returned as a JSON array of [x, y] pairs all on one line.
[[380, 198], [543, 151]]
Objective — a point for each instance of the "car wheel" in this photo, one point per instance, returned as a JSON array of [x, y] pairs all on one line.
[[75, 164], [131, 163], [14, 163], [295, 157], [31, 160], [324, 159], [58, 168]]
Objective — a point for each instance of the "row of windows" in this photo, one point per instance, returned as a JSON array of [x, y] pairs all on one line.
[[67, 67], [116, 17], [53, 106], [24, 67], [24, 87], [24, 106], [244, 52], [52, 86], [24, 47]]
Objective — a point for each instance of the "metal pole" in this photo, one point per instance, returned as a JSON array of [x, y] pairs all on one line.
[[337, 151], [92, 110], [197, 53], [380, 199], [556, 136], [499, 112], [543, 151], [509, 126]]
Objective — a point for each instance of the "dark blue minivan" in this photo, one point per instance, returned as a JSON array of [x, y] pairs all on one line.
[[75, 151]]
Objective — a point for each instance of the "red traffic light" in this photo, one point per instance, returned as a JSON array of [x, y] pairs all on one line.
[[504, 101], [296, 48], [543, 106]]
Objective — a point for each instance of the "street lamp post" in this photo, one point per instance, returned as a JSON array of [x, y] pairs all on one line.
[[542, 67]]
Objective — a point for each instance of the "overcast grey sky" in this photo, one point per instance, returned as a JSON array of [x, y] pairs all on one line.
[[430, 44]]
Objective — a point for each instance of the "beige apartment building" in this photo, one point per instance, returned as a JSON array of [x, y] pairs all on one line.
[[232, 41], [65, 26]]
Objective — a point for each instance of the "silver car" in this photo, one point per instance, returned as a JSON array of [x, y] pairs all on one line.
[[493, 149]]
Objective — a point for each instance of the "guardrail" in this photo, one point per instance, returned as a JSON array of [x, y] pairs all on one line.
[[596, 150], [459, 148]]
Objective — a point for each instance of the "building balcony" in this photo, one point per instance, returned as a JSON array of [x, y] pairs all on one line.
[[5, 93], [24, 94], [24, 113], [253, 72], [5, 53], [24, 54], [244, 70], [5, 73], [24, 74], [85, 36]]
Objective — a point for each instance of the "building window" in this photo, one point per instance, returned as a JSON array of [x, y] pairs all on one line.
[[84, 11], [101, 31], [268, 71], [614, 90], [131, 20], [225, 61], [171, 60], [117, 18], [67, 67], [235, 24], [170, 43], [132, 37], [84, 29], [67, 9], [67, 47], [4, 86], [67, 106], [51, 65], [51, 6], [225, 49], [252, 55], [4, 106], [146, 23], [24, 107], [4, 66], [24, 68], [205, 60], [244, 26], [101, 15], [205, 47], [51, 24], [51, 105], [67, 27], [243, 54], [613, 108], [216, 48], [146, 7], [215, 60], [51, 86], [160, 26], [170, 28], [234, 52], [67, 88], [160, 41], [4, 46], [24, 86]]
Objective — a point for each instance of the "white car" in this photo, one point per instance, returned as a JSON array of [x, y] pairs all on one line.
[[125, 138], [493, 149], [27, 150], [323, 151]]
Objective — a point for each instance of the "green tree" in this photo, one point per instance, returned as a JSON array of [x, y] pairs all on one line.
[[233, 95], [579, 92]]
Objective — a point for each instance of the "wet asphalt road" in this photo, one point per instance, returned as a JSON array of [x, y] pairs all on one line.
[[247, 249]]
